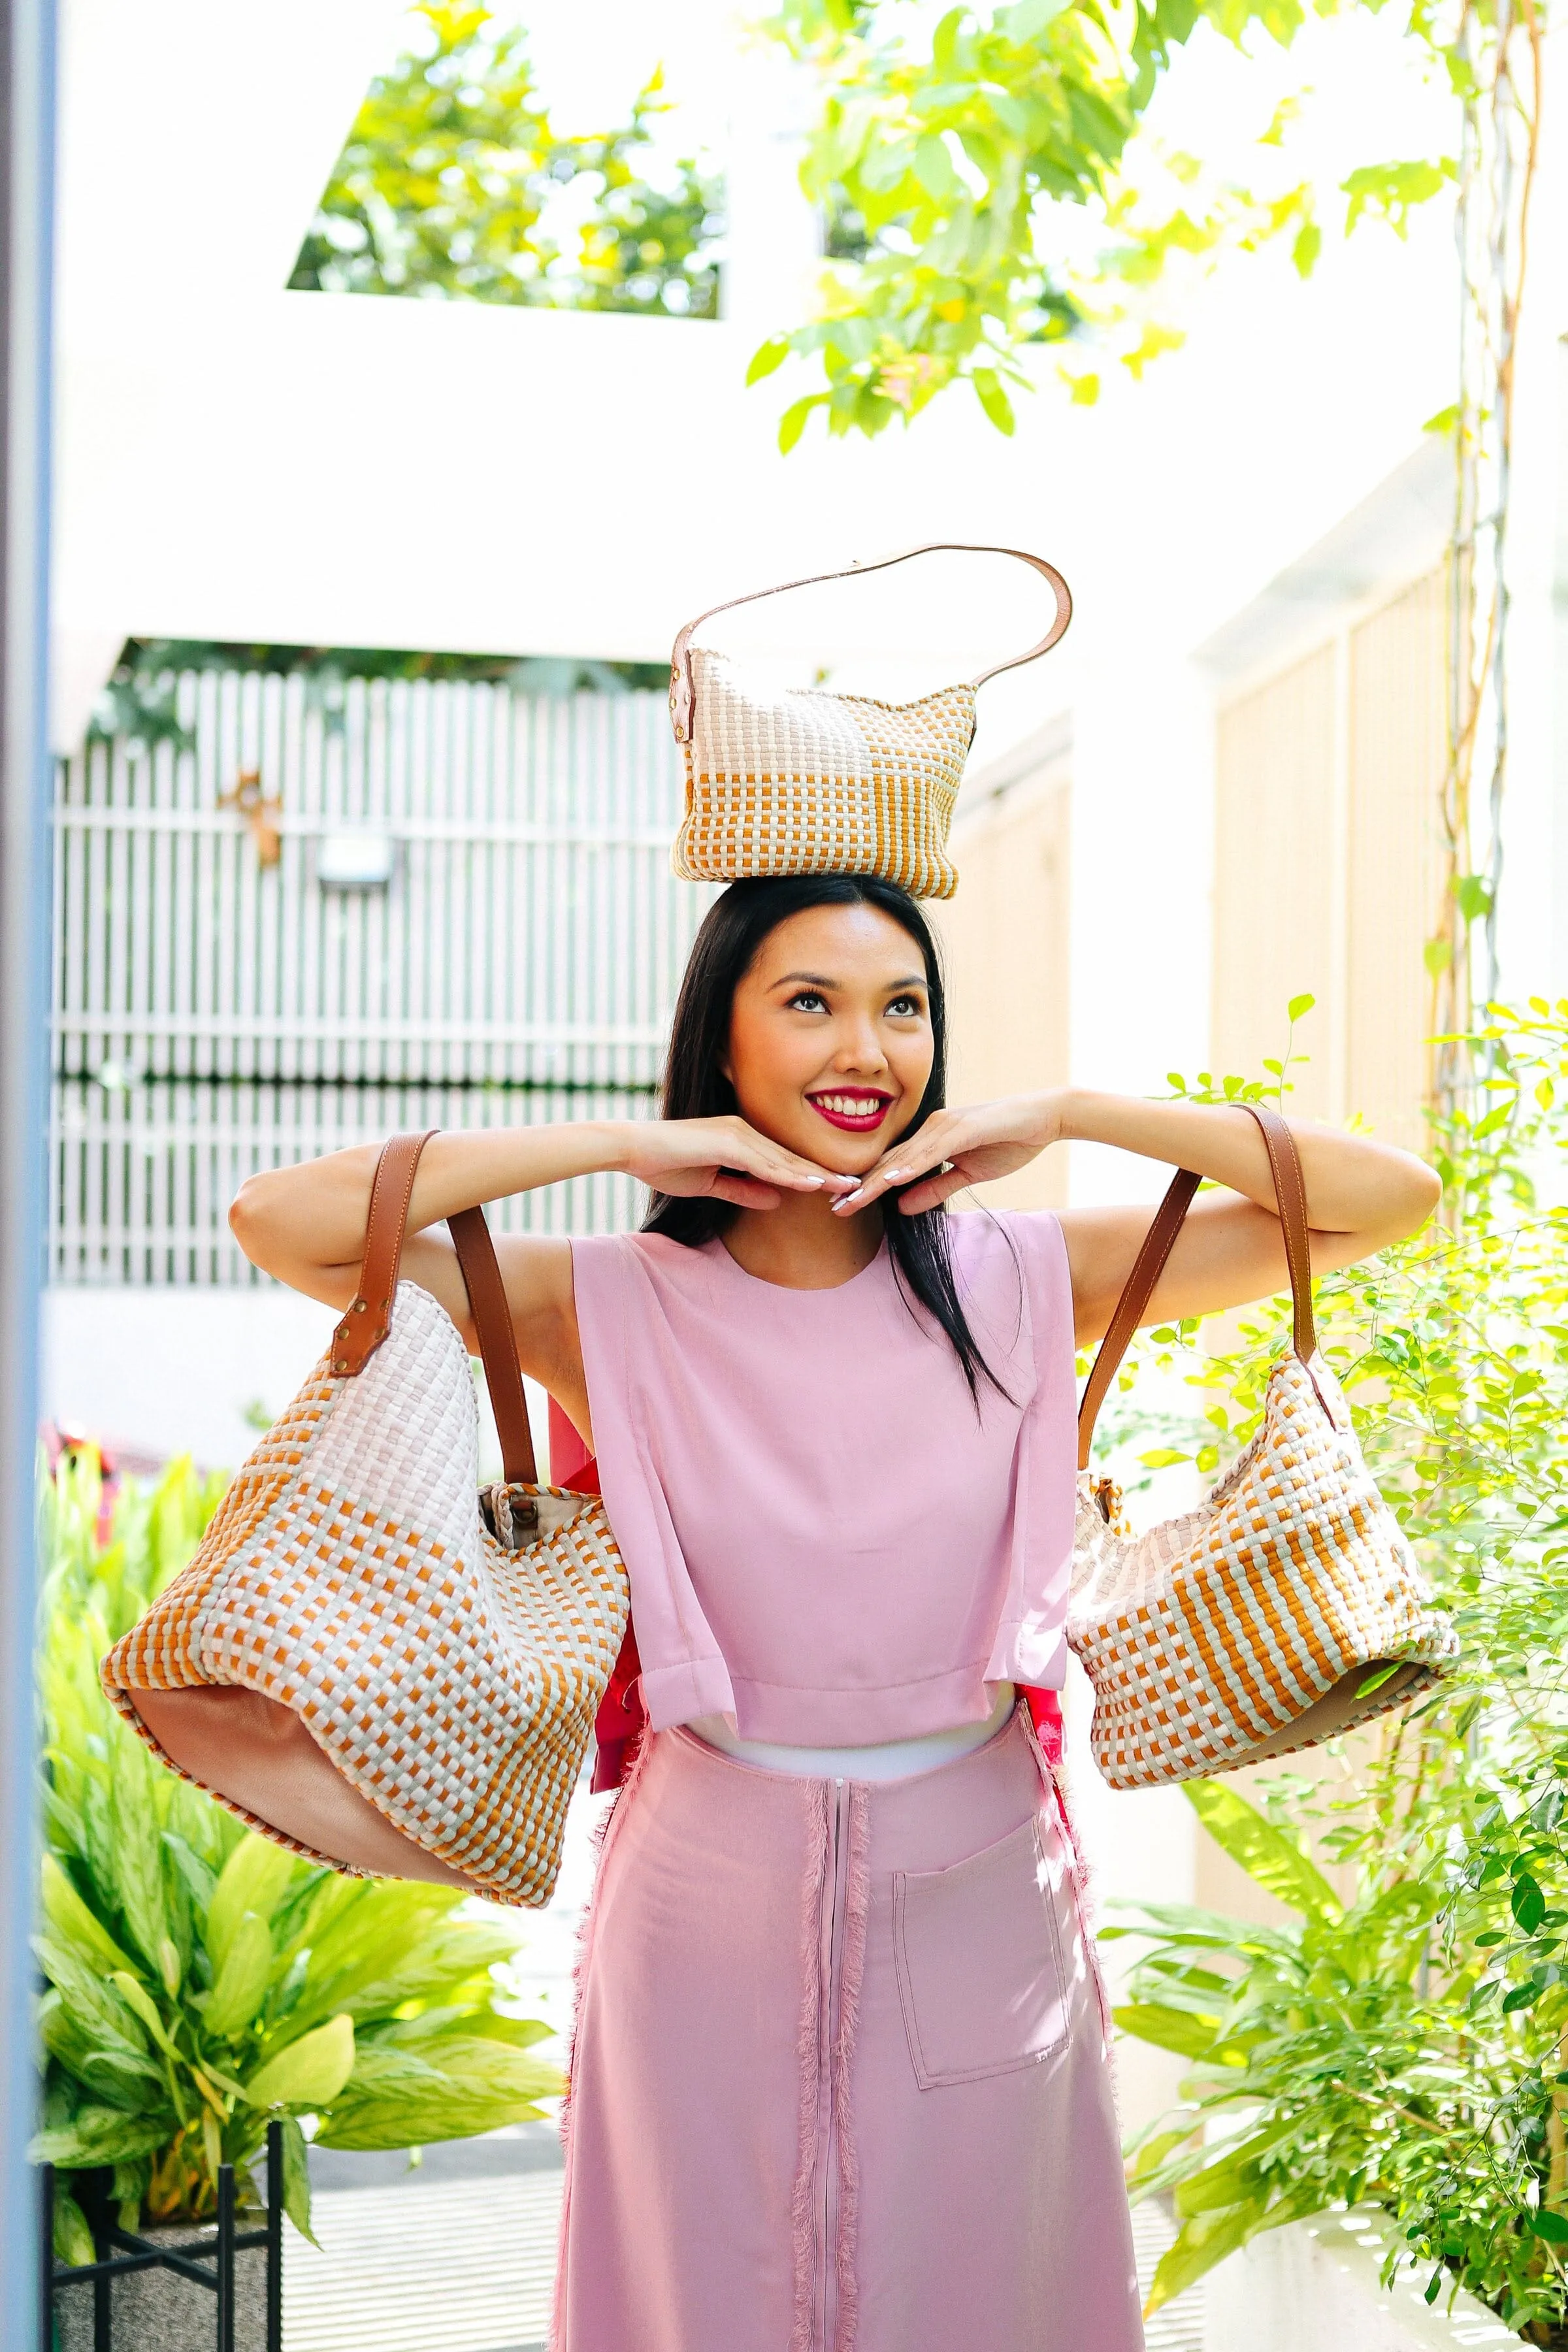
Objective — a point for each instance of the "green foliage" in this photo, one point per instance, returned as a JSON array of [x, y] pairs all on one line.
[[949, 176], [451, 184], [1408, 2046], [200, 1980]]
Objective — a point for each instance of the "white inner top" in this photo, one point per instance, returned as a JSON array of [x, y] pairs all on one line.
[[891, 1759]]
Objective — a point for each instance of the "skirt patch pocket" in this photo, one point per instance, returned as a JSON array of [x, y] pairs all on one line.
[[979, 1961]]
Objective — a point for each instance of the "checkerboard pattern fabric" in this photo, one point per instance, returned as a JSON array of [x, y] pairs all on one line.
[[348, 1575], [1214, 1631], [801, 782]]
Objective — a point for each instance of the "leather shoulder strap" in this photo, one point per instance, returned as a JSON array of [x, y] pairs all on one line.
[[1136, 1292], [1290, 1198], [682, 692], [369, 1318], [497, 1344]]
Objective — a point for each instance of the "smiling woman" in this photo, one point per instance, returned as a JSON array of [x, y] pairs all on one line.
[[839, 2079]]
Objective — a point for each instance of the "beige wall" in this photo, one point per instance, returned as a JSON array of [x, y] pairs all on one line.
[[1007, 938], [1327, 865]]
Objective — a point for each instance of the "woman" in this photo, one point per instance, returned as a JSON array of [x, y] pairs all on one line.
[[839, 2079]]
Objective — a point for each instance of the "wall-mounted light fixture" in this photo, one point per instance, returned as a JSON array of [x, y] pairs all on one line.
[[361, 860]]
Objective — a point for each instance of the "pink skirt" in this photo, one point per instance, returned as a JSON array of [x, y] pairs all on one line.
[[839, 2079]]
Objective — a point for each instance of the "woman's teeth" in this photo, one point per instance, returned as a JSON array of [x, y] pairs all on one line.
[[851, 1110]]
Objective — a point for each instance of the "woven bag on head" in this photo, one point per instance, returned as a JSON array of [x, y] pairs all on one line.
[[799, 781], [363, 1639], [1285, 1608]]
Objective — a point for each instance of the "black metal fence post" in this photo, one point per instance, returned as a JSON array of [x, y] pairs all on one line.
[[275, 2236], [225, 2258], [46, 2259]]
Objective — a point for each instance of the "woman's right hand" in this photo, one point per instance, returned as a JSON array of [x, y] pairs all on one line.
[[722, 1160]]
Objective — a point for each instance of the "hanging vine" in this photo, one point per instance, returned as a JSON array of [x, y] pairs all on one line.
[[1495, 58]]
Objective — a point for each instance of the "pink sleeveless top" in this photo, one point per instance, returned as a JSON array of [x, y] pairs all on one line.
[[827, 1542]]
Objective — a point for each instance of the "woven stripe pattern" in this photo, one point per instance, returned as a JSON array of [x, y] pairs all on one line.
[[347, 1574], [800, 782], [1216, 1631]]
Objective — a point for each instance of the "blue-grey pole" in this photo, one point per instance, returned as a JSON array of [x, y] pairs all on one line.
[[26, 203]]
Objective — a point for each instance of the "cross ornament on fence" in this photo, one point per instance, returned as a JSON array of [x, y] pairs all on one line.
[[260, 813]]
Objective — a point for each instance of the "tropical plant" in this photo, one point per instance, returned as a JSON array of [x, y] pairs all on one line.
[[200, 1980], [1403, 2039], [988, 184], [452, 183]]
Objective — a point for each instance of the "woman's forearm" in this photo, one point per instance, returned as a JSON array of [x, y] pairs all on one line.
[[315, 1212], [1353, 1184]]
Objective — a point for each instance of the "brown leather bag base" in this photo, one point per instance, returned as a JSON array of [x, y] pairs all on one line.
[[261, 1755]]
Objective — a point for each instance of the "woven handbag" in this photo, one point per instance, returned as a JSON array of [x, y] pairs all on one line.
[[802, 781], [1289, 1607], [367, 1659]]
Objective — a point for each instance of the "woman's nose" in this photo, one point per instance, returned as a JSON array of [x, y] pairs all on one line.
[[861, 1052]]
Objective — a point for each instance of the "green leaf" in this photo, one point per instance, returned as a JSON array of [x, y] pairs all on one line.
[[1163, 1457], [1552, 2227], [138, 1997], [793, 423], [994, 400], [1298, 1005], [199, 1876], [309, 2073], [297, 2178], [449, 2088], [74, 1924], [1027, 19], [254, 1878], [1204, 2241], [1188, 2035], [1267, 1855], [1528, 1903], [1473, 894], [101, 2136], [767, 357], [135, 1849], [1523, 1996], [242, 1981], [73, 2239]]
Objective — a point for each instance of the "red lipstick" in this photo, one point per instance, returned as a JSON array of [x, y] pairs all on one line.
[[859, 1110]]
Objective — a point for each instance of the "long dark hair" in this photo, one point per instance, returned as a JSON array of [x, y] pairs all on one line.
[[695, 1085]]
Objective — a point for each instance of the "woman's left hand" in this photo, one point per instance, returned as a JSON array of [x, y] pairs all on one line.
[[955, 1148]]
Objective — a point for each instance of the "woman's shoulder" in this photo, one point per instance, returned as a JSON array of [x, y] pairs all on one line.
[[1026, 1237], [630, 1258]]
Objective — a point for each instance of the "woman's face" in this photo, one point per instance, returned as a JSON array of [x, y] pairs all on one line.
[[830, 1035]]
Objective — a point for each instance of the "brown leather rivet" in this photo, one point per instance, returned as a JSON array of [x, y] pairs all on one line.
[[340, 1364], [359, 1307]]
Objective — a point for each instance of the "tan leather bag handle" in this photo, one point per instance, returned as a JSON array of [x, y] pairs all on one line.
[[369, 1316], [683, 693], [1290, 1198]]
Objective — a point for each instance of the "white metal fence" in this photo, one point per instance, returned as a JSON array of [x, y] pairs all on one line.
[[214, 1014]]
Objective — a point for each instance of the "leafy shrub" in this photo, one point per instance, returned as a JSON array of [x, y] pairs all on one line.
[[202, 1980], [1406, 2043]]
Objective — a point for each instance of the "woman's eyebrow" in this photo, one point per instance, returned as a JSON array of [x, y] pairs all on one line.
[[820, 980]]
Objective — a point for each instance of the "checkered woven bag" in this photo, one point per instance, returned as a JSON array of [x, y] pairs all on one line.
[[803, 781], [445, 1651], [1284, 1610]]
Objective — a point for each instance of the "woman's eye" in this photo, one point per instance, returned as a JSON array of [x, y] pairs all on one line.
[[905, 1008], [808, 1001]]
